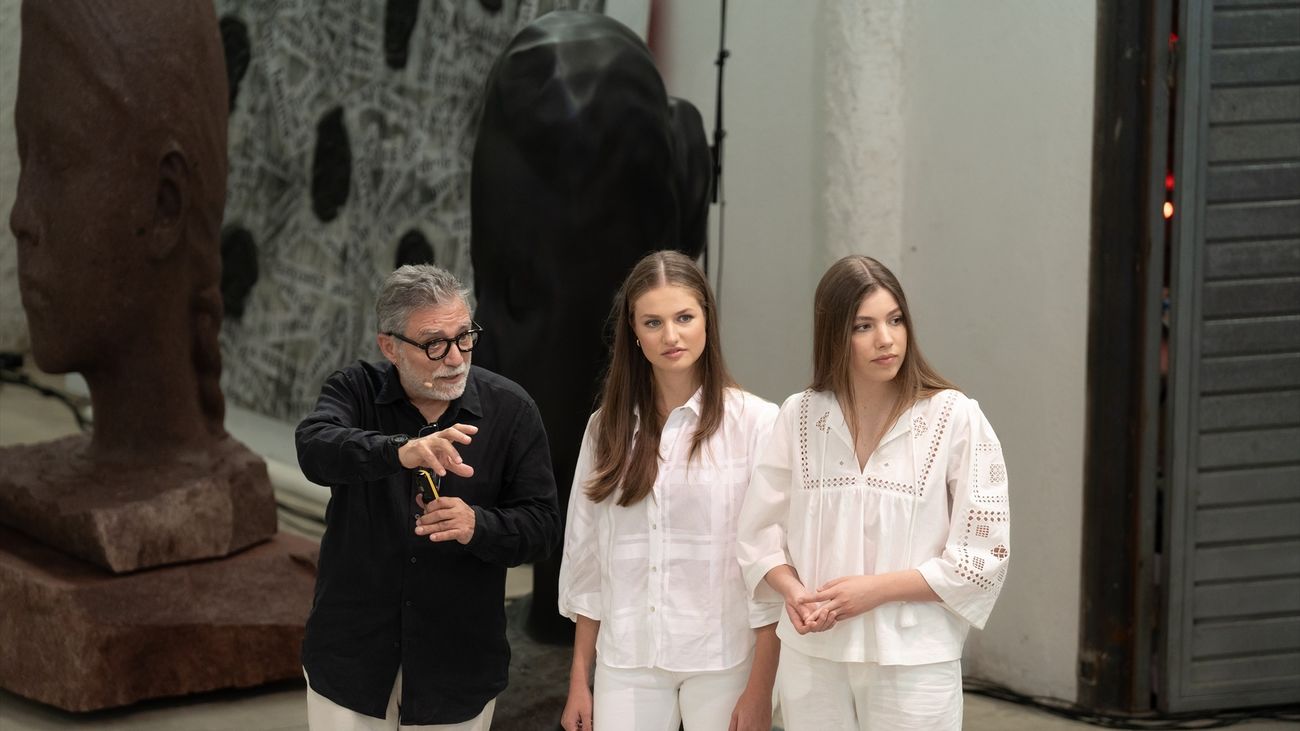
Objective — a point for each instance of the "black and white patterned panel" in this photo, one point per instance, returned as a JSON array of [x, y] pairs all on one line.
[[351, 135]]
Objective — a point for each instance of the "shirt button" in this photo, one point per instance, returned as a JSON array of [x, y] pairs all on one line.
[[652, 609], [654, 569], [397, 644], [408, 603], [413, 559], [654, 526]]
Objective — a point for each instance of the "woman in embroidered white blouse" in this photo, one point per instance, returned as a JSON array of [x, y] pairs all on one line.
[[878, 513], [649, 570]]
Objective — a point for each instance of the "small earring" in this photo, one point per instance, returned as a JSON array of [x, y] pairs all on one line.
[[638, 342]]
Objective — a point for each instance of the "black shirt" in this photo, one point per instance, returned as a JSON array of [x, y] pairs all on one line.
[[386, 597]]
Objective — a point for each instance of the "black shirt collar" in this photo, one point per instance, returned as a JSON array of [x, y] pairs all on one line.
[[392, 391]]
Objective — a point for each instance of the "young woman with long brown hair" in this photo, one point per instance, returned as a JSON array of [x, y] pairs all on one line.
[[649, 571], [878, 513]]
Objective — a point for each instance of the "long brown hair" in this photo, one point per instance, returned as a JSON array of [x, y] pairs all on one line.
[[627, 402], [835, 306]]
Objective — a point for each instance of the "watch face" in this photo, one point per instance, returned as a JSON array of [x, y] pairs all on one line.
[[399, 440]]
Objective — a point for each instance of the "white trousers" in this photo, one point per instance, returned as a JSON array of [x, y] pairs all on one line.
[[824, 695], [650, 699], [324, 714]]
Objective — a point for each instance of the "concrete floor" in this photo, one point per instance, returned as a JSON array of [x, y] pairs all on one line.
[[282, 708], [26, 417]]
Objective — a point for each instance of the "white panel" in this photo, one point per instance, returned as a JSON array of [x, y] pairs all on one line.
[[998, 129]]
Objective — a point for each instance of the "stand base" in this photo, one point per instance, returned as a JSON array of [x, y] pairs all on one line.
[[127, 517], [79, 638]]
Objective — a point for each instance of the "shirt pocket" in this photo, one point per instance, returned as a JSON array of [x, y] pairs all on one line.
[[702, 499]]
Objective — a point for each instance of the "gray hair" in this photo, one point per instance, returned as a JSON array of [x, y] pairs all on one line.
[[412, 287]]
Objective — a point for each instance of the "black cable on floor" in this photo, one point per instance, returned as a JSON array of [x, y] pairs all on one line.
[[1144, 720]]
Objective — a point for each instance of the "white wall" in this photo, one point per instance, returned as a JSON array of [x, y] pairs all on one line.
[[13, 321], [998, 117], [953, 142], [635, 14], [862, 195], [772, 173]]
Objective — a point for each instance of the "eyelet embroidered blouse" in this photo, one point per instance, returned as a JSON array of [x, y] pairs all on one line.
[[933, 496], [661, 576]]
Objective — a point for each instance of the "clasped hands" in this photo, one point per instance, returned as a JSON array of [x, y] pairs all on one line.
[[446, 518], [842, 598]]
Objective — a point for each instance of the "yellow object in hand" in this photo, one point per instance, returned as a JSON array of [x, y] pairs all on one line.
[[433, 487]]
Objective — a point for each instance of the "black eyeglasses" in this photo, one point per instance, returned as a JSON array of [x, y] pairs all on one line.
[[438, 348]]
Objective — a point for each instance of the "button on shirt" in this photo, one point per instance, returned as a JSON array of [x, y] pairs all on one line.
[[386, 597], [661, 576], [933, 496]]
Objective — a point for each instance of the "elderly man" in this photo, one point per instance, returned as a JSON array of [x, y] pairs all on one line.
[[408, 623]]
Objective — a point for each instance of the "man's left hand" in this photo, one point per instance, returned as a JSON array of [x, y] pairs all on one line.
[[446, 519]]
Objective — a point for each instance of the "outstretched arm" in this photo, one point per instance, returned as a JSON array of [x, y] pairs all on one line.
[[332, 447]]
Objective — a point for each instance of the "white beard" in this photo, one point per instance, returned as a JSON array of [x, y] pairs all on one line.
[[427, 386], [446, 392]]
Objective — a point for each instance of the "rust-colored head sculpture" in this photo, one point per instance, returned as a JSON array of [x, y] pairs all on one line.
[[121, 124]]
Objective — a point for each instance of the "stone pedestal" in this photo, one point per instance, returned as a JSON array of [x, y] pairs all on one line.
[[80, 638], [127, 517]]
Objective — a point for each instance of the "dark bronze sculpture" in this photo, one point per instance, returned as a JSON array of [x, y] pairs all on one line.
[[582, 165]]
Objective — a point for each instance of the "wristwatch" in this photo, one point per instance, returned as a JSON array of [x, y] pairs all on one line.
[[398, 440]]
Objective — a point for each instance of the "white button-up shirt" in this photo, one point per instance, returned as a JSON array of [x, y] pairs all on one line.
[[661, 576], [933, 496]]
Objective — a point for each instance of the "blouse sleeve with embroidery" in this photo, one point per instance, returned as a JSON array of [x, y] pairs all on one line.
[[580, 571], [969, 574], [761, 532]]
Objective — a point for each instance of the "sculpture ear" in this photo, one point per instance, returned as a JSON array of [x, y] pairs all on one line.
[[170, 205]]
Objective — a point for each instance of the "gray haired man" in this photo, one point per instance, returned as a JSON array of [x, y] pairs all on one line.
[[408, 623]]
